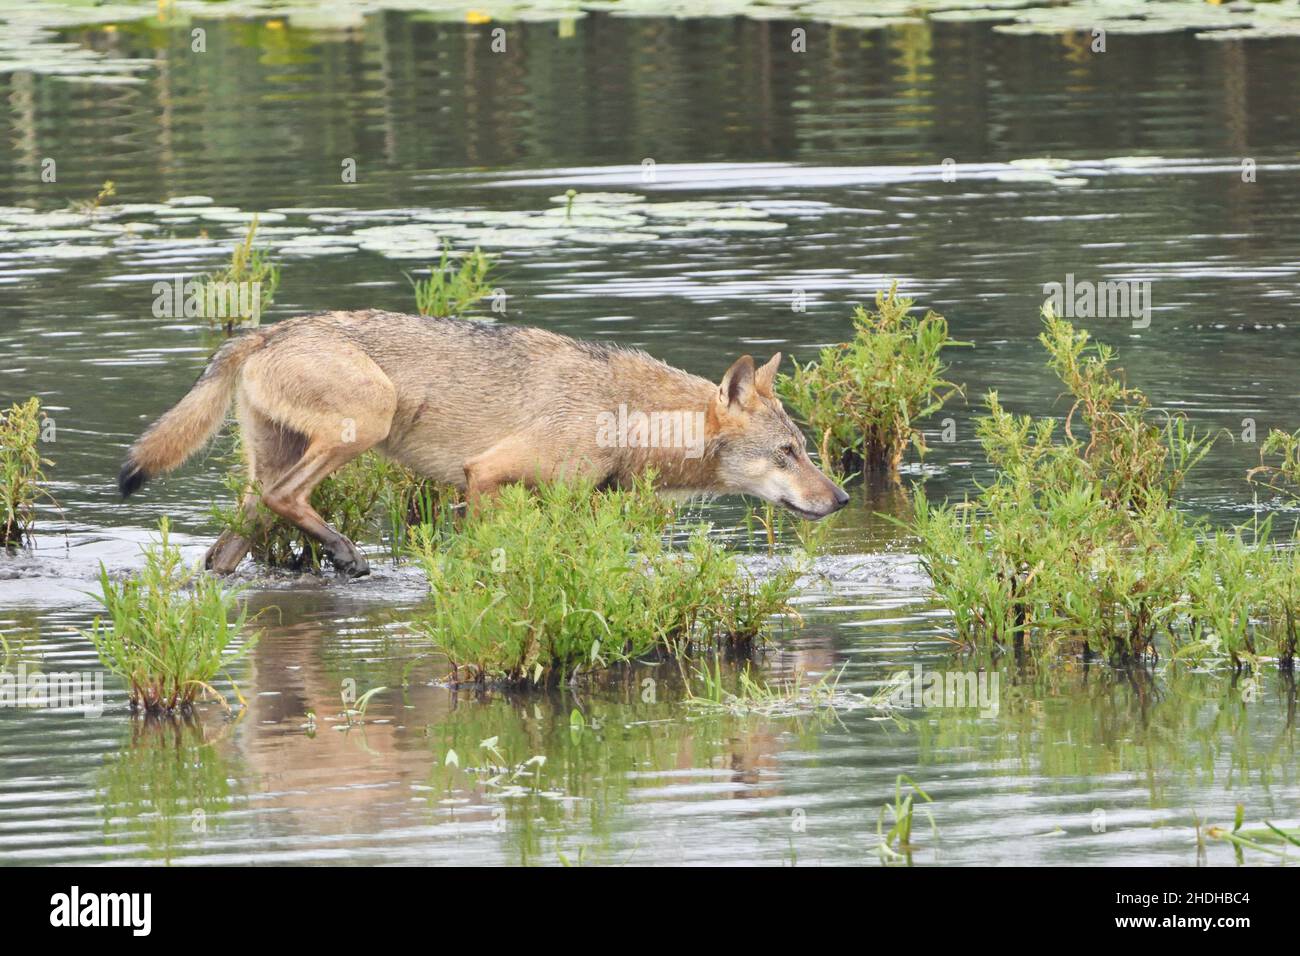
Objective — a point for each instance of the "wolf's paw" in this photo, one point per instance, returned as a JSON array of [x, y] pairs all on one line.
[[350, 562]]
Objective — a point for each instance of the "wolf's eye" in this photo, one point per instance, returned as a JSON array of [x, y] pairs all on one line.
[[789, 451]]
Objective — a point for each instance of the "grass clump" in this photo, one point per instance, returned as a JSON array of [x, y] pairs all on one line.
[[863, 398], [236, 296], [451, 291], [1076, 541], [1283, 473], [167, 631], [539, 586], [22, 470]]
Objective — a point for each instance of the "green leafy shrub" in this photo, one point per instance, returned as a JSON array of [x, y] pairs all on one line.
[[862, 399], [22, 471], [1076, 540], [540, 585], [169, 630]]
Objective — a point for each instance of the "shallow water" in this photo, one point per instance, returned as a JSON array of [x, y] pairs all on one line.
[[844, 147]]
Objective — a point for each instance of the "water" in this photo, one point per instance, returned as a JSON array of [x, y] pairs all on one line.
[[844, 146]]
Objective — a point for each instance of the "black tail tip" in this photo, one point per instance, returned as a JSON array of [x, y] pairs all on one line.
[[131, 478]]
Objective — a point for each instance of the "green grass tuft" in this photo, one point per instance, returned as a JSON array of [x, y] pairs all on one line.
[[1076, 543], [228, 294], [168, 630], [452, 291]]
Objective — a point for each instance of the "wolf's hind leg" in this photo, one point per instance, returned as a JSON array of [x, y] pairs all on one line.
[[339, 404], [269, 451], [230, 547], [290, 498]]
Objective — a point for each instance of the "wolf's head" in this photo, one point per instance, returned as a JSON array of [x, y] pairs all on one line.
[[759, 451]]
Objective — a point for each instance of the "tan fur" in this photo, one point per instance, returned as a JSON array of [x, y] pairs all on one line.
[[191, 422], [472, 404]]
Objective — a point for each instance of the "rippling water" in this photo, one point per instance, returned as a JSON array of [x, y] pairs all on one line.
[[846, 148]]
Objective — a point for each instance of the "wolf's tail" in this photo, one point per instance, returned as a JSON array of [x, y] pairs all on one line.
[[189, 424]]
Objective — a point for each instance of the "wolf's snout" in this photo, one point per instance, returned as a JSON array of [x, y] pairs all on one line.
[[841, 497]]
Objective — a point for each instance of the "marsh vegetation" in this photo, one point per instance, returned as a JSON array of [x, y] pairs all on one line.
[[863, 400], [540, 586], [1077, 542], [22, 471], [168, 630], [450, 289], [235, 297]]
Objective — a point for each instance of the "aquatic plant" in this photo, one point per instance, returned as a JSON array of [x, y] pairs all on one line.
[[1077, 540], [22, 474], [1271, 839], [91, 207], [168, 630], [863, 398], [237, 295], [541, 585], [1282, 473], [895, 844], [451, 291]]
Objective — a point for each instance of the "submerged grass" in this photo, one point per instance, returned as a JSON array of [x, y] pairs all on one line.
[[1076, 543], [451, 291], [168, 631], [862, 399], [22, 471], [540, 586]]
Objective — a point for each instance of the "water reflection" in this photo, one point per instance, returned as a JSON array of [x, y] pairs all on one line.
[[171, 787]]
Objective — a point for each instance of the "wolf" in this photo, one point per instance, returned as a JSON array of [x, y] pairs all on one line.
[[475, 405]]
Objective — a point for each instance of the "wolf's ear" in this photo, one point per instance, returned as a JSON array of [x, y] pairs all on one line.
[[765, 377], [737, 388]]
